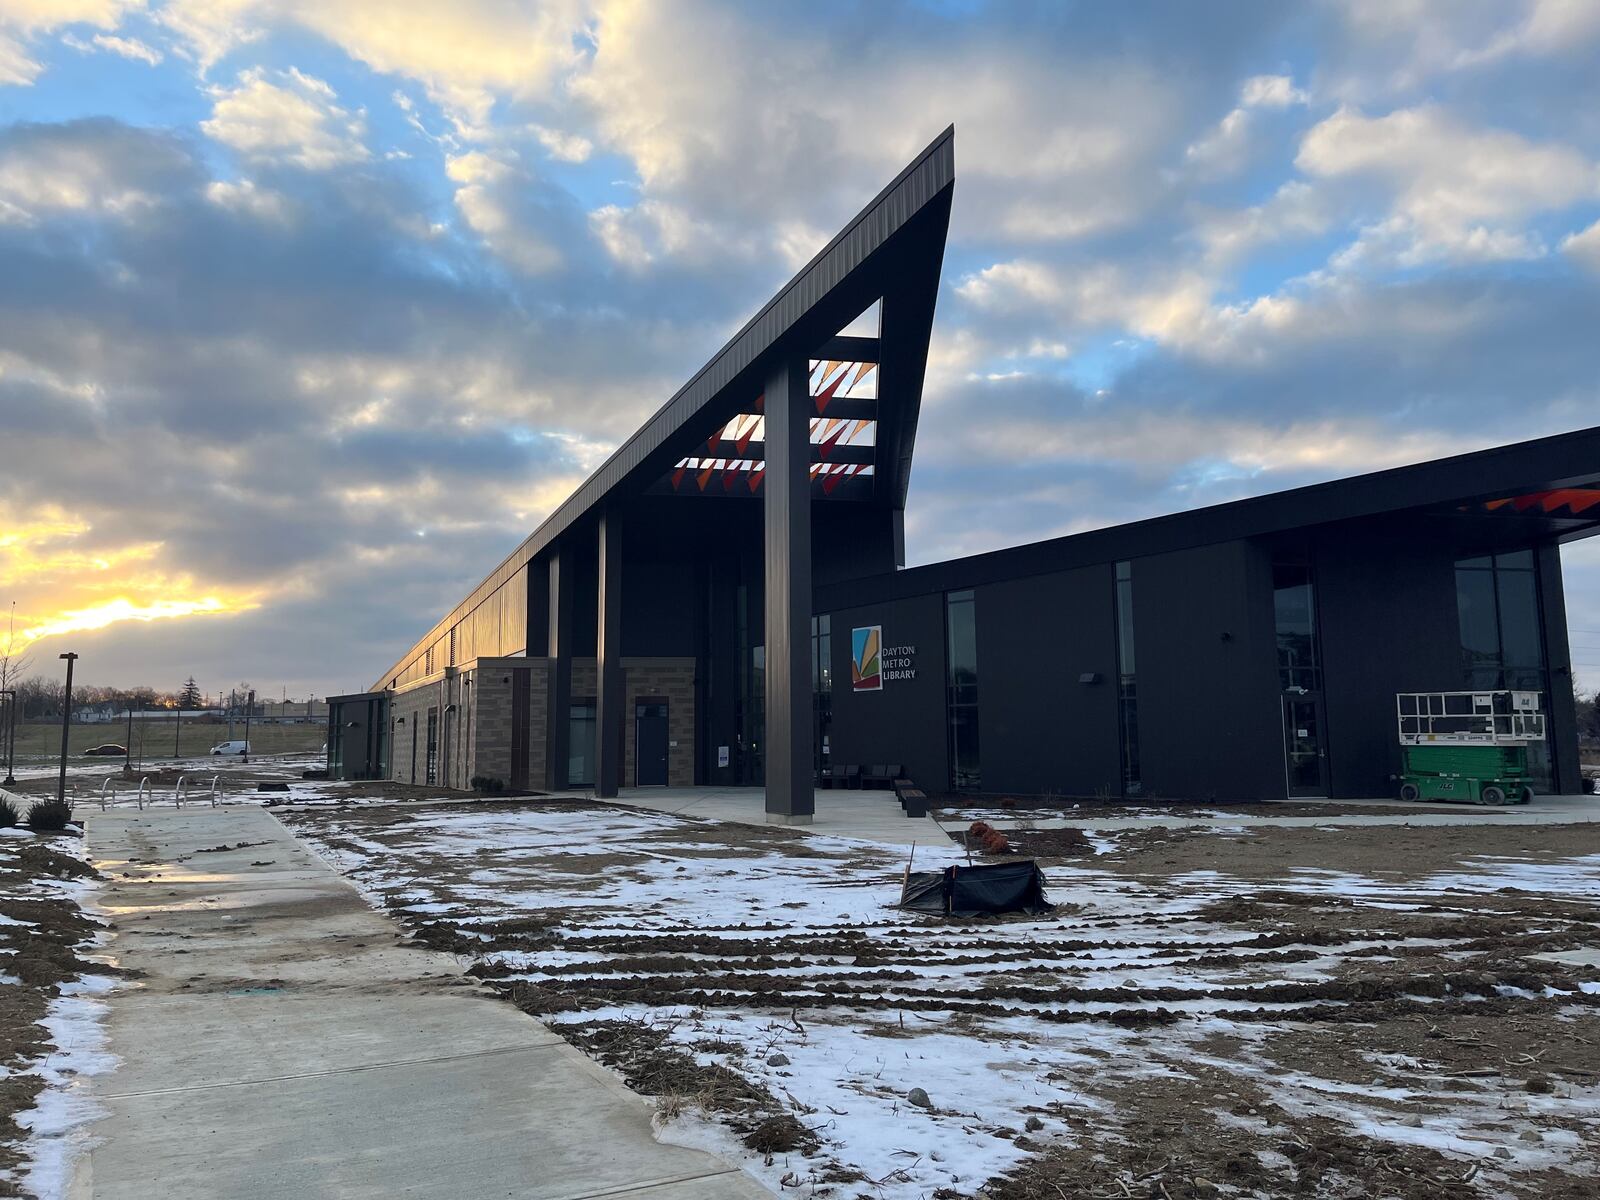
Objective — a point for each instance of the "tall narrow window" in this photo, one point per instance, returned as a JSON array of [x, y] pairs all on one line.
[[378, 719], [1127, 684], [961, 629], [1502, 640], [822, 691], [433, 746], [1502, 637], [1295, 616], [580, 743]]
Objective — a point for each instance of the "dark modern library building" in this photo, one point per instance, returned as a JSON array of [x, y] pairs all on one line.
[[723, 602]]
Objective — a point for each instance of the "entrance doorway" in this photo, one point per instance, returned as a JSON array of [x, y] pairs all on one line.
[[650, 743], [1304, 746]]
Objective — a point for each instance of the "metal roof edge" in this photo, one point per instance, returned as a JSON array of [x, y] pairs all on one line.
[[1350, 497]]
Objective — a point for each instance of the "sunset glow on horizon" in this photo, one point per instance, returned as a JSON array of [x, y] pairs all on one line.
[[65, 581]]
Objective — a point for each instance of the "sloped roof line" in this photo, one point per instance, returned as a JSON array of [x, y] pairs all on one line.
[[918, 184]]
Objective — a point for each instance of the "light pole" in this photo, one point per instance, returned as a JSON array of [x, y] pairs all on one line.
[[11, 735], [177, 729], [127, 749], [66, 719], [249, 707]]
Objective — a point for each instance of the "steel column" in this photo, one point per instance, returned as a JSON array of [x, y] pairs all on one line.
[[1562, 720], [790, 787], [608, 660], [558, 724]]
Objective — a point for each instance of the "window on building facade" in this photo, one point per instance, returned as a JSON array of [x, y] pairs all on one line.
[[1127, 682], [1502, 639], [432, 775], [1295, 615], [580, 744], [1502, 636], [961, 701], [822, 691], [377, 720]]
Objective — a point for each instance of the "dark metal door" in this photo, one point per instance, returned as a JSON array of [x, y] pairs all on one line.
[[650, 744], [521, 690], [1304, 745]]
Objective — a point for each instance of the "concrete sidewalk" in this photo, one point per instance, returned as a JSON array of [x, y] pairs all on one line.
[[876, 815], [284, 1042]]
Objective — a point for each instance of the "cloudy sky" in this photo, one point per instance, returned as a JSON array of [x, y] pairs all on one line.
[[311, 309]]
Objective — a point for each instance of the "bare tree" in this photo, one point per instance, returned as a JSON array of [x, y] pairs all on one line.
[[15, 659]]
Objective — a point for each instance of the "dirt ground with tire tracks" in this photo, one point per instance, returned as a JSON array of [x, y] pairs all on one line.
[[1338, 1012]]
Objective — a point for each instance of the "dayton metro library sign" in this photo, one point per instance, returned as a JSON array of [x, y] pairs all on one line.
[[872, 663]]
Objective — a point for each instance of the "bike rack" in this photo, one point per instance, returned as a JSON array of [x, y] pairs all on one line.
[[103, 797], [214, 794], [178, 791], [144, 786]]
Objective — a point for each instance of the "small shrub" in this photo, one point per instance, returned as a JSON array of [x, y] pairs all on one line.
[[782, 1134], [488, 785], [49, 816], [994, 842], [8, 813], [979, 829]]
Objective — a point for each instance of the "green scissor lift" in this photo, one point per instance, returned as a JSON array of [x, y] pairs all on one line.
[[1470, 747]]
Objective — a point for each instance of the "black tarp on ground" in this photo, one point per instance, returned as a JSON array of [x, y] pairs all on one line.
[[968, 891]]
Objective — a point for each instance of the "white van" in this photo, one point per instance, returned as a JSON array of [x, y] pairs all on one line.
[[235, 747]]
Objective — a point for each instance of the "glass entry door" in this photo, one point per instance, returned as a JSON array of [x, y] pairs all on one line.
[[1304, 747]]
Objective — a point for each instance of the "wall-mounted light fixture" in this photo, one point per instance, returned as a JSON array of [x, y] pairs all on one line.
[[1089, 677]]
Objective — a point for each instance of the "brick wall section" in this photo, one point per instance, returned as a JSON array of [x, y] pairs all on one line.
[[408, 718], [490, 730], [480, 729]]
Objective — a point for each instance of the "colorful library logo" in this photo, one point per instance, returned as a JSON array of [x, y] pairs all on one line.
[[866, 659]]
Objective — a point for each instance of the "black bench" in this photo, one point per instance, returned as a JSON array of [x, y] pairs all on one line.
[[882, 776]]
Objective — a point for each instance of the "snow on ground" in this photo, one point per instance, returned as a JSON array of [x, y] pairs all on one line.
[[784, 959], [55, 1127]]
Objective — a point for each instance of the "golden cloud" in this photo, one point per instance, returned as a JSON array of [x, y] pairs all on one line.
[[63, 583]]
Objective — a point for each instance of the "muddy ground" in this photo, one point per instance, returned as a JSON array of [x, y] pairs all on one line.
[[1268, 1012], [43, 935]]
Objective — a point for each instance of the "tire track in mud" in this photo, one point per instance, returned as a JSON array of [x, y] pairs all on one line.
[[637, 953]]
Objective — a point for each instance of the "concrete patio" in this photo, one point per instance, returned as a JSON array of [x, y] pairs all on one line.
[[876, 815]]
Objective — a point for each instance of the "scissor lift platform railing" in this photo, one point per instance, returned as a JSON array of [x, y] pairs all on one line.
[[1470, 746], [1469, 718]]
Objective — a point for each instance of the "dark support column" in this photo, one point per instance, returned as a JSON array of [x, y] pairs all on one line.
[[538, 614], [558, 725], [1561, 723], [790, 794], [608, 661]]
